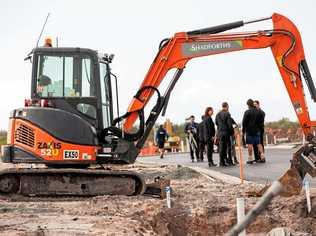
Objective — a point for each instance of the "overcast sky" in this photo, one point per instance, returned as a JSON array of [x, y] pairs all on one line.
[[132, 31]]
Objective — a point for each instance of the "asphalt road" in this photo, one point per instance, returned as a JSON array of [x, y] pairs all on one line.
[[278, 161]]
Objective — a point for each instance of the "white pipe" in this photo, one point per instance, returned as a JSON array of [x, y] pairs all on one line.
[[263, 202], [168, 197], [240, 202], [308, 196], [182, 146]]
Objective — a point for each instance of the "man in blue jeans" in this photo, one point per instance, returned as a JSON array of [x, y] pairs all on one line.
[[251, 128], [261, 127]]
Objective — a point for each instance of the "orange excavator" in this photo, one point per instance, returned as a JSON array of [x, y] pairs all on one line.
[[68, 123]]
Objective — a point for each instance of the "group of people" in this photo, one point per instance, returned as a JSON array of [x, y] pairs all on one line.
[[203, 135]]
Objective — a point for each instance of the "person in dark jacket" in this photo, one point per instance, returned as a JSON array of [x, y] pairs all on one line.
[[161, 137], [206, 136], [250, 128], [191, 130], [224, 128], [261, 130]]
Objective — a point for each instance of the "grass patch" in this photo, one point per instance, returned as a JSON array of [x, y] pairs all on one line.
[[3, 140]]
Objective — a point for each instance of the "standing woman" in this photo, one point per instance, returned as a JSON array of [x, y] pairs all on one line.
[[209, 135]]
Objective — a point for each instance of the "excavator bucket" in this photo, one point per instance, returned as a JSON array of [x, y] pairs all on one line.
[[292, 183], [303, 162]]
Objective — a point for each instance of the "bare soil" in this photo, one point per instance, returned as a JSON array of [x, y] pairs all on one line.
[[200, 206]]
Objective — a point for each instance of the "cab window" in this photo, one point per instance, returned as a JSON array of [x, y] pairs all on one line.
[[64, 76], [105, 96]]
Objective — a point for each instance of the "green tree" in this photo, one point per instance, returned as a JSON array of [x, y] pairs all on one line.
[[3, 137], [283, 124]]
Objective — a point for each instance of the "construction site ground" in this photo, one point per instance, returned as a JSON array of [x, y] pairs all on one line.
[[201, 205], [278, 161]]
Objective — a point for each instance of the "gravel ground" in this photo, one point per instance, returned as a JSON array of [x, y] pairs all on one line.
[[200, 206]]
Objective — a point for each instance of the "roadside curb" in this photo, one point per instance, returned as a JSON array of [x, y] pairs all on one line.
[[220, 176], [210, 173]]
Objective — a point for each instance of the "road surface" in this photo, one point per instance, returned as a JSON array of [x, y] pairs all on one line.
[[278, 161]]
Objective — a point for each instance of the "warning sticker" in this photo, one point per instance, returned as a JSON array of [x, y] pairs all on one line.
[[71, 154], [86, 156]]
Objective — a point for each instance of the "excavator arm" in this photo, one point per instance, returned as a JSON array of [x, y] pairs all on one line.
[[284, 40], [287, 49]]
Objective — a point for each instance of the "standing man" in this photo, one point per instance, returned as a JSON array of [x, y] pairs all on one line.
[[206, 135], [223, 121], [250, 127], [261, 130], [191, 129], [161, 137]]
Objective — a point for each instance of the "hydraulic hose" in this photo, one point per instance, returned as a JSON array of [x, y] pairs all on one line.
[[131, 136]]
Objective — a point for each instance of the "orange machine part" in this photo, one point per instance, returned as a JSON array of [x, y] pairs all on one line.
[[279, 39], [41, 144]]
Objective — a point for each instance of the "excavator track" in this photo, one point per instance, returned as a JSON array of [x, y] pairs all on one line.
[[65, 183]]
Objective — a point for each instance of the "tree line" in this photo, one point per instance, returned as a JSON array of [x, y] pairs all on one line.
[[282, 127]]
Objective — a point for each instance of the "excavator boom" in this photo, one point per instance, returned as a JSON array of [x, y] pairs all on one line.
[[284, 40]]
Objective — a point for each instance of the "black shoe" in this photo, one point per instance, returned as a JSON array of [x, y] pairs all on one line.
[[250, 162], [161, 156], [211, 164], [198, 160], [235, 161], [192, 160], [222, 164], [262, 161]]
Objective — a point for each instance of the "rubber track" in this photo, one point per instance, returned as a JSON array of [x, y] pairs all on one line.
[[20, 172]]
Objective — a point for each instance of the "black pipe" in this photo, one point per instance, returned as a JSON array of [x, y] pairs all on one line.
[[155, 112], [117, 95], [217, 29], [308, 79], [170, 88]]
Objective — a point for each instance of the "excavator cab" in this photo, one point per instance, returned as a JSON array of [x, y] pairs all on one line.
[[74, 80], [70, 106], [60, 126]]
